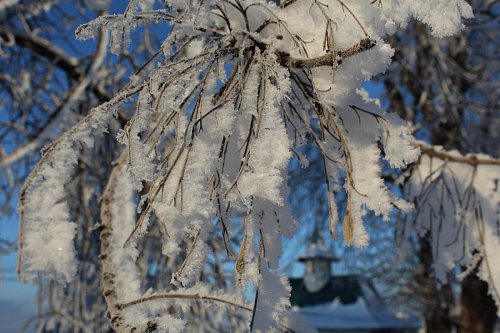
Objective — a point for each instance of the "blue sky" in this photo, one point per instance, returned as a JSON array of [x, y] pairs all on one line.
[[17, 299], [16, 305]]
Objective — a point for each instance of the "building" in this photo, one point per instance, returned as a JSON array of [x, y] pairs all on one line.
[[342, 304]]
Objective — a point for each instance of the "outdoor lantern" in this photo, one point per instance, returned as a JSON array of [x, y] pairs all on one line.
[[317, 260]]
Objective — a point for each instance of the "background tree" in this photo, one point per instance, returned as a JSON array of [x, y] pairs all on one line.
[[448, 88], [429, 83], [47, 86], [49, 82], [209, 127]]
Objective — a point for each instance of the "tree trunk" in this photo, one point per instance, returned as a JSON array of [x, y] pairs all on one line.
[[437, 300], [478, 312]]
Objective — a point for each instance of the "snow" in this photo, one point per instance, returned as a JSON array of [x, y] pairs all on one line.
[[357, 315], [271, 302], [215, 144], [46, 242], [458, 204], [120, 27], [263, 177], [47, 239], [444, 17], [343, 316], [368, 312], [123, 258]]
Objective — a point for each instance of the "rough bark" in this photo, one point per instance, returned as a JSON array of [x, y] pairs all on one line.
[[477, 308]]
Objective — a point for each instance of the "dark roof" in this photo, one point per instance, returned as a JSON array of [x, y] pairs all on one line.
[[346, 289], [361, 307]]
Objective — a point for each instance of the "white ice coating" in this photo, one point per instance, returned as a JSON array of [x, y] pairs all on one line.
[[206, 152]]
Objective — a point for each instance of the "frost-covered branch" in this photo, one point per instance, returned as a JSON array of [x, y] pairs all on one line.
[[32, 202], [108, 270], [330, 59], [457, 200], [186, 295], [243, 86], [473, 160]]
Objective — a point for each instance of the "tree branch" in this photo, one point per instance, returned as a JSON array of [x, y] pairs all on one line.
[[58, 57], [184, 296], [47, 50], [442, 155], [84, 82], [108, 274], [330, 59]]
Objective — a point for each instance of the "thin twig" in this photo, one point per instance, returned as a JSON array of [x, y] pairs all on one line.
[[471, 160], [184, 296]]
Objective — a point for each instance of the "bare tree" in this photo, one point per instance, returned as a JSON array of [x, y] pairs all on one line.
[[49, 83], [209, 121], [448, 89]]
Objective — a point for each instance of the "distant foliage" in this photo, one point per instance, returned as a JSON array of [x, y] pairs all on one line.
[[244, 86], [457, 207]]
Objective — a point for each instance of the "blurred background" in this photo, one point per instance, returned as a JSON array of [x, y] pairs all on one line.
[[448, 89]]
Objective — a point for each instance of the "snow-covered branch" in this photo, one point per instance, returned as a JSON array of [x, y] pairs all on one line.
[[441, 154], [457, 201], [244, 85]]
